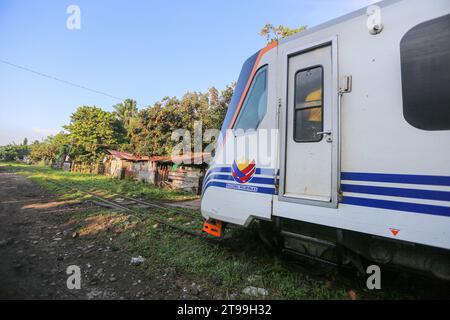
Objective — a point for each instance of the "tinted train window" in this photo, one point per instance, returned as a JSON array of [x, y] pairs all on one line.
[[308, 113], [425, 59], [255, 105]]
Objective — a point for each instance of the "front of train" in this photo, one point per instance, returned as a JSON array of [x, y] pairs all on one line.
[[223, 167]]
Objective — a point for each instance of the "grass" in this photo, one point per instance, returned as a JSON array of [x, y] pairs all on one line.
[[223, 269], [93, 182], [232, 265]]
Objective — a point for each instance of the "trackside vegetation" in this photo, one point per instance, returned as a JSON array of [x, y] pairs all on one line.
[[92, 182]]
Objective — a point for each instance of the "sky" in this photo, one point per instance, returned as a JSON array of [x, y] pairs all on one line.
[[139, 49]]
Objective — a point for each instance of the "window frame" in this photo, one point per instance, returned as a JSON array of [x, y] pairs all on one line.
[[294, 109], [247, 95]]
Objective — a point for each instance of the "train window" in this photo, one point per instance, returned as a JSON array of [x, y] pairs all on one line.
[[425, 59], [308, 113], [255, 104]]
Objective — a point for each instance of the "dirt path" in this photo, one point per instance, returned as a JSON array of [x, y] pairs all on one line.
[[38, 243]]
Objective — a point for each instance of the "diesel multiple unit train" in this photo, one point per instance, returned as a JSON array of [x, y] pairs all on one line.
[[338, 137]]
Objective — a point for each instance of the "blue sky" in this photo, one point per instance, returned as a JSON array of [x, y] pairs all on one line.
[[137, 49]]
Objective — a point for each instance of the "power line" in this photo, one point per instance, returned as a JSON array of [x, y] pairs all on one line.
[[62, 80]]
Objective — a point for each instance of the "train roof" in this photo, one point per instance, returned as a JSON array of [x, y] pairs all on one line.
[[336, 21]]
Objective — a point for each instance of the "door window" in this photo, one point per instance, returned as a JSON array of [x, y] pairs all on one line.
[[308, 111]]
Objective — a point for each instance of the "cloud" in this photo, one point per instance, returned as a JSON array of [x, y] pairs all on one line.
[[45, 131]]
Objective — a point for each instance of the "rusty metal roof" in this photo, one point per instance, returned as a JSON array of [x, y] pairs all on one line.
[[127, 156], [195, 158]]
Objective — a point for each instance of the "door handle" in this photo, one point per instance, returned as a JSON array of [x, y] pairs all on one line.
[[328, 134]]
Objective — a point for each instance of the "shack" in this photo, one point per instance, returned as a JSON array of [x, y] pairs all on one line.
[[182, 173], [122, 165]]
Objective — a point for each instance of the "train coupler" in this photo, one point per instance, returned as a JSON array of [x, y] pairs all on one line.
[[213, 227]]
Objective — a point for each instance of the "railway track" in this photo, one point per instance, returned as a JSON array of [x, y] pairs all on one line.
[[179, 220]]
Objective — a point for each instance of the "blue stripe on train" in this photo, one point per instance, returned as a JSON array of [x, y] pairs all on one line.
[[268, 172], [356, 201], [398, 192], [398, 206], [397, 178], [259, 171]]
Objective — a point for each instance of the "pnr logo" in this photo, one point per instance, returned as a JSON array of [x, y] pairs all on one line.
[[243, 172]]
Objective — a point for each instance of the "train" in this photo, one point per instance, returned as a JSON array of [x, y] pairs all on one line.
[[337, 141]]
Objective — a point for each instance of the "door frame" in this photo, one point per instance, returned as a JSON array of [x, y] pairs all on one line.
[[285, 55]]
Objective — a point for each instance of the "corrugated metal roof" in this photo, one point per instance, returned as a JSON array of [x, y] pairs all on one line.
[[127, 156], [194, 158], [122, 155]]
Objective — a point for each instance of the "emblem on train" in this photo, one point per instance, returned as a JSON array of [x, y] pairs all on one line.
[[243, 172]]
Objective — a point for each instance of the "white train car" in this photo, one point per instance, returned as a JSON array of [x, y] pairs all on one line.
[[340, 136]]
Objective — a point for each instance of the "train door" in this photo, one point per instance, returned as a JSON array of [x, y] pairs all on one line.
[[308, 161]]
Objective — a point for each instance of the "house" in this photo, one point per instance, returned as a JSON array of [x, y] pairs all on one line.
[[186, 172], [183, 173], [122, 165]]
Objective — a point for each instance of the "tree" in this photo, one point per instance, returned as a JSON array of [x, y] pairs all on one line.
[[25, 142], [217, 111], [126, 111], [151, 132], [146, 132], [52, 149], [272, 33], [91, 132], [13, 152], [213, 96], [7, 153]]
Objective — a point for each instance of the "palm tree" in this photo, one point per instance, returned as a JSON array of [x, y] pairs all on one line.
[[126, 111]]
